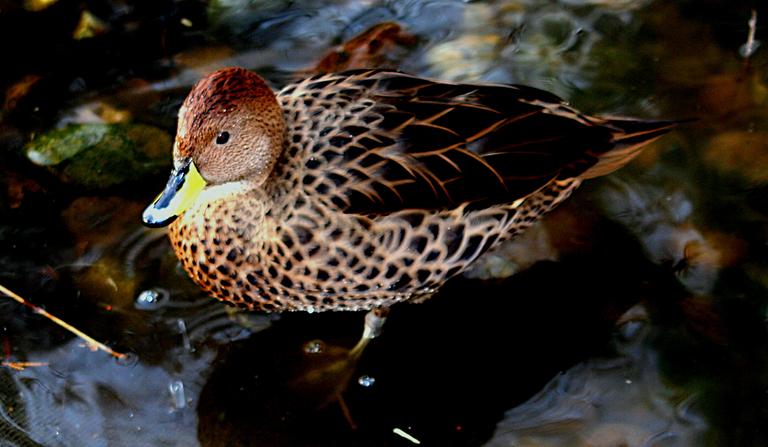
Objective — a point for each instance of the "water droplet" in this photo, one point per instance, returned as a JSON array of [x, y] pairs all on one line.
[[177, 393], [148, 296], [151, 299], [366, 381], [314, 347]]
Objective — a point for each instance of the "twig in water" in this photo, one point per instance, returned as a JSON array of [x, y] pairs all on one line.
[[19, 366], [92, 344]]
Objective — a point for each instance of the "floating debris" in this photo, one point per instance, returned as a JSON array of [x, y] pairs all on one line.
[[89, 26], [38, 5]]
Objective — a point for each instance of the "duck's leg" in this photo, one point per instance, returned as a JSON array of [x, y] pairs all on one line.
[[345, 411], [374, 321]]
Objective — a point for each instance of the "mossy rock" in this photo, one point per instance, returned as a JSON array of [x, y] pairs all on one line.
[[102, 155]]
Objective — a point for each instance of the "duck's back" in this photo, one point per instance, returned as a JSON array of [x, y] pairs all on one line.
[[389, 141]]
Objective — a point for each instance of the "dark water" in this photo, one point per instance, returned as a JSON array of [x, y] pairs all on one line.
[[636, 315]]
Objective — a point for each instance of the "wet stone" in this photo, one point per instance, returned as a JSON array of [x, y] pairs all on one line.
[[102, 155]]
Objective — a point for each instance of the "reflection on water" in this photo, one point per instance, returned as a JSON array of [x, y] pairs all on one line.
[[86, 399], [661, 220], [636, 314], [617, 401]]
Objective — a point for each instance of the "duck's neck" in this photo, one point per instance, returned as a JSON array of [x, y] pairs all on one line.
[[235, 211], [226, 191], [240, 205]]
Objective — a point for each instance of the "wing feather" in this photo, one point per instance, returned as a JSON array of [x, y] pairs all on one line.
[[413, 143]]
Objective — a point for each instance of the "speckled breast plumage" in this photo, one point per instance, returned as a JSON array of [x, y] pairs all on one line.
[[389, 185]]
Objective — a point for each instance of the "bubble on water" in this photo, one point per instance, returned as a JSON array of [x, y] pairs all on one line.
[[147, 298], [630, 329], [151, 299], [184, 335], [314, 347], [366, 381]]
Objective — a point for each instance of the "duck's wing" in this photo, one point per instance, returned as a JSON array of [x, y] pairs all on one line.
[[404, 142]]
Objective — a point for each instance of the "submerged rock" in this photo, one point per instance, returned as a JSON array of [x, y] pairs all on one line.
[[381, 45], [102, 155]]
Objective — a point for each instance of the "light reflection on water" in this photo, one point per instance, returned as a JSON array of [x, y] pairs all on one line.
[[637, 315]]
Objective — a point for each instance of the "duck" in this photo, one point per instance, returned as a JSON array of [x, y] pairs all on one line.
[[366, 188]]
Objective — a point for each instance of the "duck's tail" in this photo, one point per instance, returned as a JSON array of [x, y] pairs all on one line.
[[630, 137]]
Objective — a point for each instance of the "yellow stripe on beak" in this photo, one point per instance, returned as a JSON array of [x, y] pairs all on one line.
[[182, 189]]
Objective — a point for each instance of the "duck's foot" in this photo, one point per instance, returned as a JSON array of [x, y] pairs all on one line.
[[374, 321]]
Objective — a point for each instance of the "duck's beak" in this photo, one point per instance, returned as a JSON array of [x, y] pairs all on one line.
[[182, 189]]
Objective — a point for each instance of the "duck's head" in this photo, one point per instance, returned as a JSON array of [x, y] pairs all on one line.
[[230, 128]]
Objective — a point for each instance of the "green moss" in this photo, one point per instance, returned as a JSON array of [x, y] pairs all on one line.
[[102, 155]]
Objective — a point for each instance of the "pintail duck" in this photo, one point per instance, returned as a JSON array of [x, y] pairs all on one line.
[[361, 189]]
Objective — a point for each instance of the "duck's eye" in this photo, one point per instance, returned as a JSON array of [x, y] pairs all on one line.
[[222, 137]]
